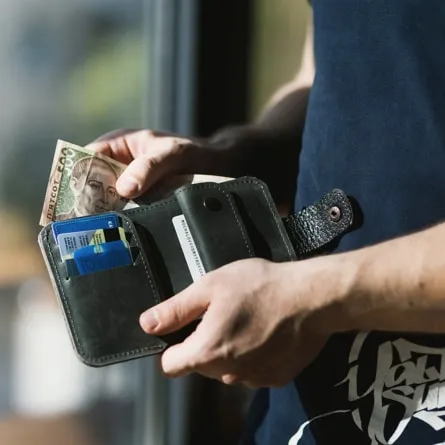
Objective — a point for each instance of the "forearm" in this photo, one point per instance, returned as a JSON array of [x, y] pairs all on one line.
[[398, 285], [269, 147]]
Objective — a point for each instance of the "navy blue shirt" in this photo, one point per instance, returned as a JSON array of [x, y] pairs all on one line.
[[375, 128]]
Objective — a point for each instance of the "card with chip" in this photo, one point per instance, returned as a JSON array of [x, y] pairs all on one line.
[[93, 222], [70, 242]]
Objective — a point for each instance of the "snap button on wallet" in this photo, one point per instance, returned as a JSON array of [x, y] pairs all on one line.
[[171, 243]]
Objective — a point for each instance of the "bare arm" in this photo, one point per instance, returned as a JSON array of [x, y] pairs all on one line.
[[269, 147], [398, 285]]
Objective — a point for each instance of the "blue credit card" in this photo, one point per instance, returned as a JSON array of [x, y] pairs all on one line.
[[93, 222], [95, 258]]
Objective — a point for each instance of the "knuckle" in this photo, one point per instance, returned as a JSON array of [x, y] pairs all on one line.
[[116, 144], [175, 145], [171, 313], [227, 352], [215, 283], [195, 363], [230, 379], [149, 163], [147, 134]]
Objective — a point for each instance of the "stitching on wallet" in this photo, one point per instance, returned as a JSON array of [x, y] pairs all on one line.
[[147, 207], [71, 320], [64, 299], [146, 268], [133, 353], [280, 229], [241, 227], [214, 186], [230, 184]]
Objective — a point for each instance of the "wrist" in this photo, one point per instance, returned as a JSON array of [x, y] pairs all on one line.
[[270, 154], [328, 283]]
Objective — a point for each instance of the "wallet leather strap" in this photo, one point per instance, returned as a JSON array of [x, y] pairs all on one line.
[[314, 228]]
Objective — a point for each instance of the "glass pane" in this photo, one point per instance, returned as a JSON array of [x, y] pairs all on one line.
[[277, 46], [70, 70]]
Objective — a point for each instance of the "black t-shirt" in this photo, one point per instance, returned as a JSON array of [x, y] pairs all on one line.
[[376, 129]]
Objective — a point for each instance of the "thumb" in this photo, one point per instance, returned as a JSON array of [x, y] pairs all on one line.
[[176, 312], [165, 156], [139, 176]]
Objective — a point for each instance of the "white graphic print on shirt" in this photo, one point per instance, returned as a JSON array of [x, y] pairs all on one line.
[[405, 377]]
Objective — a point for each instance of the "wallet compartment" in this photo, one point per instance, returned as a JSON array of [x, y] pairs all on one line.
[[102, 309]]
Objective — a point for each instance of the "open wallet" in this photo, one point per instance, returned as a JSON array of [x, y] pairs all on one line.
[[159, 249]]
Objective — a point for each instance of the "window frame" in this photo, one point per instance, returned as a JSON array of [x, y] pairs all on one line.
[[197, 82]]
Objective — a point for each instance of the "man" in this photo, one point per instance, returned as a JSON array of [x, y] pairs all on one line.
[[347, 348], [93, 184]]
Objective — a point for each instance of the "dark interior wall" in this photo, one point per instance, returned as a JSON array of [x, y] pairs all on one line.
[[223, 63]]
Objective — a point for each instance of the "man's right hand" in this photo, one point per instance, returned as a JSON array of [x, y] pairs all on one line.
[[152, 156]]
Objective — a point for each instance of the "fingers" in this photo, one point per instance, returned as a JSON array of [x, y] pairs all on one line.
[[176, 312], [115, 144], [139, 176], [150, 156], [183, 358]]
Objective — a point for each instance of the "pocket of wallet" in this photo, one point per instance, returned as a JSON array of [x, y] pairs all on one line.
[[102, 309]]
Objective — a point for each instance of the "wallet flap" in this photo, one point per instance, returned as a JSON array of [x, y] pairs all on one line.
[[215, 224]]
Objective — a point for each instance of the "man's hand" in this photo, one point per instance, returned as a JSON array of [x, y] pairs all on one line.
[[267, 149], [253, 329], [264, 322], [152, 156]]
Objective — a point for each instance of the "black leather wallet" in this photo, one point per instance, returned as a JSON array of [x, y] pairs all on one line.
[[225, 222]]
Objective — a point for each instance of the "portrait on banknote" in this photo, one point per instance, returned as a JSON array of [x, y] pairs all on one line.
[[81, 183], [92, 184]]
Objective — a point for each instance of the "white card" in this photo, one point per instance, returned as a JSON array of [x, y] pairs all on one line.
[[188, 247]]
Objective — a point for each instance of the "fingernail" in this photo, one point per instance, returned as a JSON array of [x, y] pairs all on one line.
[[93, 146], [149, 320], [127, 186]]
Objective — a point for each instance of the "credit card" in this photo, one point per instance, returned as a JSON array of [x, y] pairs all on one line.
[[70, 242], [93, 222], [96, 258]]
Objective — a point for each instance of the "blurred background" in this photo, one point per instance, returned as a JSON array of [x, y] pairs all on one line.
[[74, 70]]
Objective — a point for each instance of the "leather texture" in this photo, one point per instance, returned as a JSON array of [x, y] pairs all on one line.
[[211, 214], [314, 228], [228, 221], [102, 309]]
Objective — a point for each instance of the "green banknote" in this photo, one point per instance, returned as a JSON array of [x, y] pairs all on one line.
[[81, 183]]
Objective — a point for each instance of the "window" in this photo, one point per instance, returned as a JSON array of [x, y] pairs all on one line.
[[277, 46], [71, 70]]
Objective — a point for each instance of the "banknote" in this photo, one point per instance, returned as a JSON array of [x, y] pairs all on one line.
[[81, 183]]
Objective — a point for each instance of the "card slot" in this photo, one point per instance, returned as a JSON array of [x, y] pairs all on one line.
[[102, 256], [103, 311], [101, 274]]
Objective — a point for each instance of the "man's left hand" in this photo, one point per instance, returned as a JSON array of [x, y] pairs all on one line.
[[253, 329]]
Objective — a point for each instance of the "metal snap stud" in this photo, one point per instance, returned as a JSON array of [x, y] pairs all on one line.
[[212, 203], [334, 213]]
